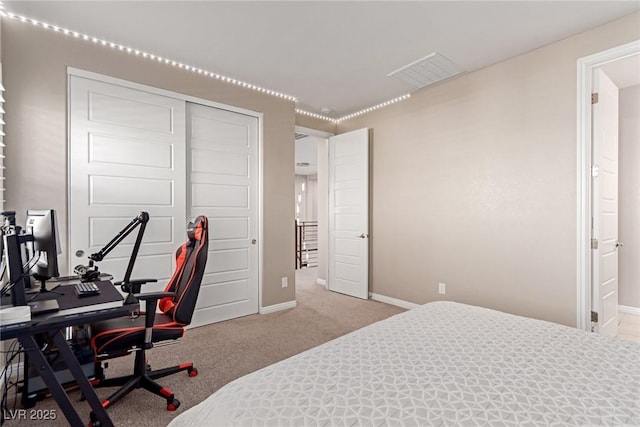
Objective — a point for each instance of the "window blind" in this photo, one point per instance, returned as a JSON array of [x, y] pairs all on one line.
[[2, 186]]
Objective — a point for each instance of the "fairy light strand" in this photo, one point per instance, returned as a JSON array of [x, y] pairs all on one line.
[[357, 113], [145, 55], [375, 107], [191, 68]]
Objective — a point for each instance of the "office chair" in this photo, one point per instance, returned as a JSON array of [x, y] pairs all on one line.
[[119, 337]]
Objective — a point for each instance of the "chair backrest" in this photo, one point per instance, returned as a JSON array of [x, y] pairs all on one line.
[[191, 259]]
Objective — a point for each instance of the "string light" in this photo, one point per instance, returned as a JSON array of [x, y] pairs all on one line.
[[352, 115], [315, 116], [190, 68], [375, 107], [146, 55]]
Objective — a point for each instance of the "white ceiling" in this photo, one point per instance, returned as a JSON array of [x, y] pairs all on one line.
[[624, 72], [307, 152], [332, 55]]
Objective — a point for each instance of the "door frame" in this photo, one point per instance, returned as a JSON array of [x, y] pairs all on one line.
[[585, 67], [71, 71]]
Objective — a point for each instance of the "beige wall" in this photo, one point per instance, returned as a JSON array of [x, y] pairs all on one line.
[[629, 190], [474, 183], [35, 62], [317, 124]]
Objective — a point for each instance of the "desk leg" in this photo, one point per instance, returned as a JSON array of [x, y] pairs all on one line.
[[45, 371], [81, 379]]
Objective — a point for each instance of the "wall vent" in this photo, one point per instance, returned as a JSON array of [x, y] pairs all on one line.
[[428, 70]]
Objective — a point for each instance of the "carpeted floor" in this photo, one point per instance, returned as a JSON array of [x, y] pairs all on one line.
[[228, 350]]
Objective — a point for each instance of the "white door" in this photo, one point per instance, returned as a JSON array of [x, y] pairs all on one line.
[[126, 155], [224, 186], [605, 204], [349, 213]]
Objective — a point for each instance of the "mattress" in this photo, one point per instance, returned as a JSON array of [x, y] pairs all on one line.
[[442, 364]]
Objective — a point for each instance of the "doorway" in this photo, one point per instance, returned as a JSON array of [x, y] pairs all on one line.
[[311, 206], [608, 217], [345, 188]]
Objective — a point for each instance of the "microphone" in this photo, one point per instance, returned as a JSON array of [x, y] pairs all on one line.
[[86, 273]]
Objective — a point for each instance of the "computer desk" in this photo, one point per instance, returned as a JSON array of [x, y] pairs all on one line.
[[73, 311]]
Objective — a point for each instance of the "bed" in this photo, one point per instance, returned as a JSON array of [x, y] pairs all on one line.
[[441, 364]]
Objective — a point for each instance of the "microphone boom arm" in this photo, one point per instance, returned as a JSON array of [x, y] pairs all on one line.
[[141, 220]]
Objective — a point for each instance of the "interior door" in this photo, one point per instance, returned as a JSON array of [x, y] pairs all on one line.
[[223, 159], [126, 155], [605, 204], [348, 261]]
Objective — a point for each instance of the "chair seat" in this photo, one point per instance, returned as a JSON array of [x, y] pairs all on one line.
[[121, 334]]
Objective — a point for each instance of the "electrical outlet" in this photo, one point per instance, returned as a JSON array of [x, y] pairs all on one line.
[[285, 282], [442, 288]]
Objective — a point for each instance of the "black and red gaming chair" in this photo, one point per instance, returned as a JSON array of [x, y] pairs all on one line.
[[119, 337]]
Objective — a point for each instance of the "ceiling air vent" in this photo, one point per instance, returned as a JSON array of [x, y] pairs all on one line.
[[428, 70]]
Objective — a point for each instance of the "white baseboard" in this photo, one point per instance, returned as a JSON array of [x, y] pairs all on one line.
[[629, 310], [393, 301], [321, 282], [278, 307]]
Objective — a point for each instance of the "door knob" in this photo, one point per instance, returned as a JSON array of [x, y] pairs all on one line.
[[253, 241], [618, 244], [362, 236], [79, 253]]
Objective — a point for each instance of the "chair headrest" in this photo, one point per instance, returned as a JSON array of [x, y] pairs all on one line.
[[196, 229]]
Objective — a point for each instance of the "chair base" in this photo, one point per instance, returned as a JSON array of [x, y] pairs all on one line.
[[143, 377]]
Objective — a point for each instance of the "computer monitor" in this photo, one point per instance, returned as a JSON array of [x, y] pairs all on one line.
[[43, 226]]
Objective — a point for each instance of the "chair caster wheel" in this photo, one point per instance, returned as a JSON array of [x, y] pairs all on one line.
[[95, 422], [173, 405], [193, 372]]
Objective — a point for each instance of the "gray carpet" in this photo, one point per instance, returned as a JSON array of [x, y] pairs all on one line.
[[228, 350]]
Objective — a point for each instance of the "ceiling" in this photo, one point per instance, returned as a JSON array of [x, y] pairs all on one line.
[[329, 55], [307, 153], [624, 72]]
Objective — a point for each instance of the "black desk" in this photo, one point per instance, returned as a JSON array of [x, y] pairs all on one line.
[[73, 311]]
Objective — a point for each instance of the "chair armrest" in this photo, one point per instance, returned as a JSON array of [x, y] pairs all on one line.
[[135, 284], [137, 281], [154, 295], [152, 303]]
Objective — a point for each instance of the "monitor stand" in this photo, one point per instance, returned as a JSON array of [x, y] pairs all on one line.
[[43, 287], [49, 287]]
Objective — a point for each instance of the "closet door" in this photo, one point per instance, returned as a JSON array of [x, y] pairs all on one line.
[[126, 155], [223, 165]]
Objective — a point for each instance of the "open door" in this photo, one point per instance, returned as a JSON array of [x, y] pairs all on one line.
[[604, 242], [348, 260]]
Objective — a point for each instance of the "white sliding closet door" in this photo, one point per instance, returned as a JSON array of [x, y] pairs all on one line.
[[126, 155], [224, 186], [131, 150]]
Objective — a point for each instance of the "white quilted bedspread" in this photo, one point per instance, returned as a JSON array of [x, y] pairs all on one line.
[[442, 364]]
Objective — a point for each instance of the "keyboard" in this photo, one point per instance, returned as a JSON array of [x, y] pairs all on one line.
[[86, 289]]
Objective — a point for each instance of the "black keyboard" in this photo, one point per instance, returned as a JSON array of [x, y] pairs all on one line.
[[86, 289]]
